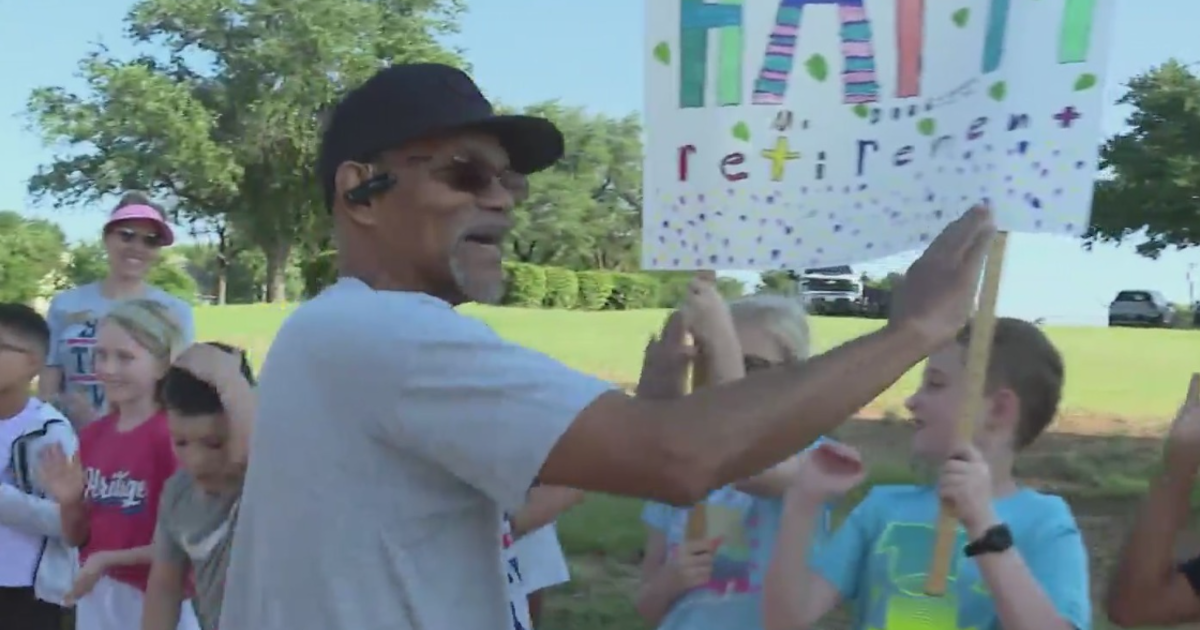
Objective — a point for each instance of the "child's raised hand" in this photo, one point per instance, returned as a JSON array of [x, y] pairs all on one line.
[[708, 314], [211, 364], [665, 365], [829, 470], [1183, 440], [61, 476], [691, 564]]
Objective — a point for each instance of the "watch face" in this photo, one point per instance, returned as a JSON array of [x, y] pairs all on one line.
[[999, 538]]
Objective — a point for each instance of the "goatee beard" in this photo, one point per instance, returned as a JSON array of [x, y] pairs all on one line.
[[482, 295]]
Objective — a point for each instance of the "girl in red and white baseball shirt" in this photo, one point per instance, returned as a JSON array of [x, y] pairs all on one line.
[[109, 494]]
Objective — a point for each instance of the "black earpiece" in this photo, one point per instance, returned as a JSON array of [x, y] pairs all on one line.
[[377, 184]]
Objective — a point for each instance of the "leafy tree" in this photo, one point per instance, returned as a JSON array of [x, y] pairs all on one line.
[[219, 114], [585, 212], [240, 279], [887, 282], [87, 264], [31, 255], [200, 262], [170, 275], [1152, 178], [781, 282]]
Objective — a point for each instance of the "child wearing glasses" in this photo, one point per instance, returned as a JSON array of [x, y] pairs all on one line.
[[716, 582], [37, 566]]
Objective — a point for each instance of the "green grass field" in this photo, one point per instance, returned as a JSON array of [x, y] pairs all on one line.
[[1122, 384], [1130, 373]]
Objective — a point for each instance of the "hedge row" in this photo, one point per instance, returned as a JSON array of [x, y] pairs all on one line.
[[534, 286]]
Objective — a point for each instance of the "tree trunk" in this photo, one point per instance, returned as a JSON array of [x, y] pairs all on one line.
[[222, 266], [277, 267], [222, 283]]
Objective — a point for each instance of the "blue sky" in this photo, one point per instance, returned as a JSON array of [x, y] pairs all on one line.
[[590, 53]]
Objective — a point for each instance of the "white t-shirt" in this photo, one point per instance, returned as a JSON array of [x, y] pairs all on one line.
[[19, 549], [392, 433], [542, 561]]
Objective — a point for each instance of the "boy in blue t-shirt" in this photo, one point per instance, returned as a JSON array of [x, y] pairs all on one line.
[[1019, 561]]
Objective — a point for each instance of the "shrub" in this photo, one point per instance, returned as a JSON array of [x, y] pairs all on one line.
[[673, 287], [633, 291], [562, 288], [525, 284], [594, 289]]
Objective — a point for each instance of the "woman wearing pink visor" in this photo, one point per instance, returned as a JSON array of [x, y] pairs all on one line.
[[133, 237]]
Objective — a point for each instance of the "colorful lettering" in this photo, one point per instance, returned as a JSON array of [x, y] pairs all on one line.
[[910, 40], [696, 19], [858, 77], [1075, 37], [993, 41], [779, 155], [731, 160], [685, 152]]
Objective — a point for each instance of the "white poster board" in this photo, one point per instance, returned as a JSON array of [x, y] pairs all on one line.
[[803, 133]]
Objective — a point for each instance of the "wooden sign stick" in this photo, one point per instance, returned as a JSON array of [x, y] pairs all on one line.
[[979, 349], [697, 522]]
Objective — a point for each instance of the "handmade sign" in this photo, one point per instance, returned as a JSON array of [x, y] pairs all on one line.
[[803, 133]]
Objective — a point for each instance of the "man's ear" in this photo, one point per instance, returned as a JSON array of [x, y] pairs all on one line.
[[350, 175]]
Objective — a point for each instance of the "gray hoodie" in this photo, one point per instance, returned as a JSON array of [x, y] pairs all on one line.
[[25, 507]]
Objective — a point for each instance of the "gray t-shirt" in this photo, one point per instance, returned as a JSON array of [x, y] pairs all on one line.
[[73, 316], [391, 433], [195, 529]]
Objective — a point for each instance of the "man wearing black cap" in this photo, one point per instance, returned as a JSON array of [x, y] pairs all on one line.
[[392, 431]]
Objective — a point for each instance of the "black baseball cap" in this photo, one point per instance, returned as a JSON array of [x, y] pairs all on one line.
[[412, 101]]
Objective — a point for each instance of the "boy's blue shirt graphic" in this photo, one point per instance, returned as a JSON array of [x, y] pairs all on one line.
[[879, 558]]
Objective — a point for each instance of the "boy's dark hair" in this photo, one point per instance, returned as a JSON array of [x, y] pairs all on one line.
[[26, 323], [184, 393], [1024, 360]]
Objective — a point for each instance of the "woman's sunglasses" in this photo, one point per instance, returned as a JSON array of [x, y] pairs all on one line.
[[129, 235]]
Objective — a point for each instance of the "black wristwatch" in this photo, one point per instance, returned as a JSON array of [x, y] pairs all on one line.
[[997, 539]]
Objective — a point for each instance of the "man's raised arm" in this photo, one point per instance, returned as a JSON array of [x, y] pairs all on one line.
[[678, 450]]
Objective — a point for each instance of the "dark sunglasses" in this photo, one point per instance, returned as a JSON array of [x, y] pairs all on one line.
[[462, 173], [129, 235], [473, 175]]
